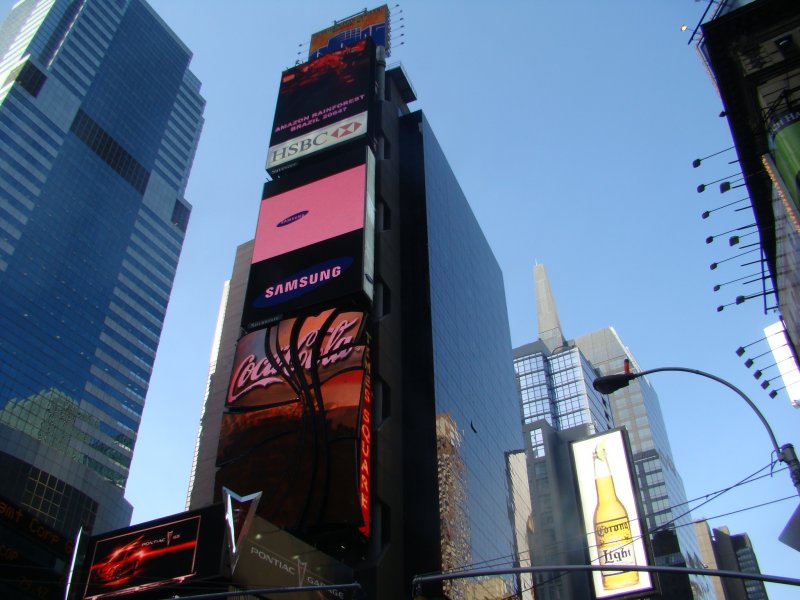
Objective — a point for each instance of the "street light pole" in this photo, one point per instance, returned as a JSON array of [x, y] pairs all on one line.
[[609, 384]]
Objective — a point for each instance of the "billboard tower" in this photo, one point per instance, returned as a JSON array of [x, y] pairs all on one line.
[[351, 404]]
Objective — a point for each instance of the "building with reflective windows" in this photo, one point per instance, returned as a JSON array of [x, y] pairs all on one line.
[[100, 117], [444, 405], [559, 405]]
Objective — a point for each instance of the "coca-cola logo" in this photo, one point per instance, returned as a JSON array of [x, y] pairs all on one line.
[[253, 370]]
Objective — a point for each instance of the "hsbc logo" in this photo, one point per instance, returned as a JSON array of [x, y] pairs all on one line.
[[317, 140], [346, 130]]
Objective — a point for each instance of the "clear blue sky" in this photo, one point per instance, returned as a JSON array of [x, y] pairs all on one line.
[[571, 127]]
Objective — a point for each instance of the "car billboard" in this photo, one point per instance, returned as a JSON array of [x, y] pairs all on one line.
[[615, 534], [322, 103], [368, 23], [297, 421], [150, 556]]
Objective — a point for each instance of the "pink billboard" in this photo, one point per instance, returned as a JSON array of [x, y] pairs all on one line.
[[312, 213]]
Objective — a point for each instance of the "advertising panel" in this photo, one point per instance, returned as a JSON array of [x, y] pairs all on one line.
[[297, 421], [271, 557], [165, 552], [785, 142], [311, 213], [303, 278], [314, 240], [368, 23], [322, 103], [614, 531]]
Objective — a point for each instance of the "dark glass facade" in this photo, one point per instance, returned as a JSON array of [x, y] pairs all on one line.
[[99, 122]]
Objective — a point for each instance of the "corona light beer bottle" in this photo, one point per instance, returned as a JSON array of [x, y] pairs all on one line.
[[612, 528]]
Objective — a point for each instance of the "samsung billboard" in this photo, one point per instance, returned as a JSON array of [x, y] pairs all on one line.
[[322, 103], [615, 535], [297, 421], [314, 242]]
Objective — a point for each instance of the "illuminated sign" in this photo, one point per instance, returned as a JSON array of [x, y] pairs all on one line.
[[614, 531], [143, 559], [322, 103], [303, 278], [314, 240], [369, 23], [165, 552], [785, 142], [311, 213], [296, 411], [318, 139]]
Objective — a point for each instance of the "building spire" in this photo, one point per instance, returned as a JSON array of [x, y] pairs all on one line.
[[546, 313]]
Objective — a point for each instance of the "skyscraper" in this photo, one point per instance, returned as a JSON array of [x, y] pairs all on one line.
[[100, 118], [437, 408], [555, 378]]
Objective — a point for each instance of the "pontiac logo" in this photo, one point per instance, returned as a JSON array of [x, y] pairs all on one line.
[[346, 130], [292, 218]]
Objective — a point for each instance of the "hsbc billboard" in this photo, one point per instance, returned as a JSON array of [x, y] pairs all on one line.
[[322, 103]]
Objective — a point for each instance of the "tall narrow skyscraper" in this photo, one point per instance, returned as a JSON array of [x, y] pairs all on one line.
[[559, 405], [100, 118]]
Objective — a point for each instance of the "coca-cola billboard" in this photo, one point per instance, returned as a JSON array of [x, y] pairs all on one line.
[[297, 421]]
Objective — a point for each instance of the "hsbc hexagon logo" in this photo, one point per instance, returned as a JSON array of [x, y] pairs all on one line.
[[346, 130]]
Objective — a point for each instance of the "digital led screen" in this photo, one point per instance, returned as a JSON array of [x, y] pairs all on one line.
[[370, 23], [143, 559], [311, 213], [322, 102], [293, 427], [165, 552], [785, 141], [303, 278], [609, 506], [296, 264]]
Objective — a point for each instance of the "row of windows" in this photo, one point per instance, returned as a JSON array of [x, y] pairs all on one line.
[[107, 148]]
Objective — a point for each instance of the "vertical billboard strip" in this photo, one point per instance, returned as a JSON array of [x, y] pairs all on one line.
[[322, 103], [293, 427], [785, 143], [373, 24], [610, 510]]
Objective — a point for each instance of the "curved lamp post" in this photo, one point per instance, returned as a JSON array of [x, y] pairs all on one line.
[[609, 384]]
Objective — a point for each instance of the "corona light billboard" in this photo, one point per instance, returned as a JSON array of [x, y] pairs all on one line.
[[610, 510], [297, 422], [785, 141], [321, 104], [314, 242], [368, 23]]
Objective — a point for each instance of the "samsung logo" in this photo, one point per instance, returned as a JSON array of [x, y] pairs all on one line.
[[292, 219], [303, 282]]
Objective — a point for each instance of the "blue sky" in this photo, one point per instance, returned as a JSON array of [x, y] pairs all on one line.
[[571, 127]]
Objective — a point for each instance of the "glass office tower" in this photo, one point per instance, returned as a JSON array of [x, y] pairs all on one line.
[[559, 404], [99, 122]]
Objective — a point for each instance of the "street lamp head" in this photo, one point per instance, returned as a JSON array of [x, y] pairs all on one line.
[[608, 384]]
